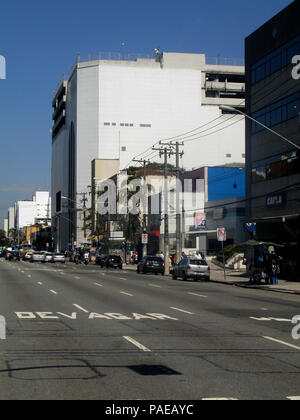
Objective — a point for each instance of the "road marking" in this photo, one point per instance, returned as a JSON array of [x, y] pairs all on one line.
[[154, 285], [271, 319], [29, 276], [40, 283], [282, 342], [124, 293], [81, 309], [197, 294], [98, 284], [219, 399], [122, 278], [53, 291], [181, 310], [76, 277], [137, 344], [293, 398]]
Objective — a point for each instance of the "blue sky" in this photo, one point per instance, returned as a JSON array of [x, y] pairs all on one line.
[[41, 39]]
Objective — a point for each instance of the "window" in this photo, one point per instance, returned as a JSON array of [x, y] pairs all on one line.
[[275, 61], [228, 155], [277, 113], [286, 164], [106, 123]]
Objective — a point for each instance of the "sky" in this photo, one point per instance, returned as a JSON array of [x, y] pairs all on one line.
[[41, 39]]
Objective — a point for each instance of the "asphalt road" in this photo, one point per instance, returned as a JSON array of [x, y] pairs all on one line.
[[77, 332]]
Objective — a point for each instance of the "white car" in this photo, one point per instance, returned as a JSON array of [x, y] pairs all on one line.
[[47, 257], [37, 257], [27, 256]]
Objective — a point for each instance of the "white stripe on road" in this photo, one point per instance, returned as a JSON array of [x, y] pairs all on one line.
[[197, 294], [98, 284], [154, 285], [40, 283], [53, 291], [137, 344], [80, 308], [124, 293], [122, 278], [181, 310], [293, 398], [219, 399], [282, 342]]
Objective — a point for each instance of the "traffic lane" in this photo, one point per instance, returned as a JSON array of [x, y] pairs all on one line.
[[229, 306], [185, 362]]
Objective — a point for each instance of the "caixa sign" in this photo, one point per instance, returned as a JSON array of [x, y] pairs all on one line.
[[276, 200]]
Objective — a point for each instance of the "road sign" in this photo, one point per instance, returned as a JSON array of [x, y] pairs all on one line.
[[145, 239], [221, 234]]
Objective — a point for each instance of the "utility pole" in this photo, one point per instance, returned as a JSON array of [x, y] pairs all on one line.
[[179, 155], [166, 151], [144, 162], [84, 200]]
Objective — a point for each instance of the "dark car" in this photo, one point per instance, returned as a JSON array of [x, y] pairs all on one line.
[[13, 256], [151, 265], [112, 261], [100, 259]]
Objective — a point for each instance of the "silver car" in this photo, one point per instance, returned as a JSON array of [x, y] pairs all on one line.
[[37, 257], [47, 257], [192, 268], [58, 257]]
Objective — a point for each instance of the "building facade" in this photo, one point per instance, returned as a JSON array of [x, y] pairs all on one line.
[[273, 99], [114, 109]]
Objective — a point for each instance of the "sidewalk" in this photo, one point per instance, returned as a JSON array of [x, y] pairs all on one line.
[[241, 279]]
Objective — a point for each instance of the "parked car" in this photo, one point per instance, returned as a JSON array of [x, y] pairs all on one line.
[[113, 261], [36, 256], [58, 257], [191, 268], [99, 259], [47, 257], [151, 264], [27, 256]]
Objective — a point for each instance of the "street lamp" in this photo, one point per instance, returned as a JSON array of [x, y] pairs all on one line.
[[231, 108]]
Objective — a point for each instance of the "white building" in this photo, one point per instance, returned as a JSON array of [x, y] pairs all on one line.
[[116, 109], [30, 212]]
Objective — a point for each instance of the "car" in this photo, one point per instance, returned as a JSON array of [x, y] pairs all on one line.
[[36, 256], [27, 256], [12, 256], [58, 257], [113, 261], [191, 268], [100, 259], [47, 257], [151, 264]]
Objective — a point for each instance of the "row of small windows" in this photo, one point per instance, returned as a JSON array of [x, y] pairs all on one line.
[[286, 164], [108, 124], [277, 113], [275, 61]]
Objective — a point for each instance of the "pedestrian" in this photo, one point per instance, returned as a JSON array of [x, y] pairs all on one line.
[[198, 256], [162, 255], [183, 256]]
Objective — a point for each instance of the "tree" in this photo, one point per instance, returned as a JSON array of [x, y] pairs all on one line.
[[3, 238]]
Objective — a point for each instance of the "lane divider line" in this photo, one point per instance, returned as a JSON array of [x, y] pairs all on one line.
[[181, 310], [137, 344], [98, 284], [80, 308], [197, 294], [125, 293], [53, 291], [282, 342], [154, 285]]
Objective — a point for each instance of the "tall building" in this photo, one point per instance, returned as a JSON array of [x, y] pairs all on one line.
[[30, 212], [114, 108], [273, 99]]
